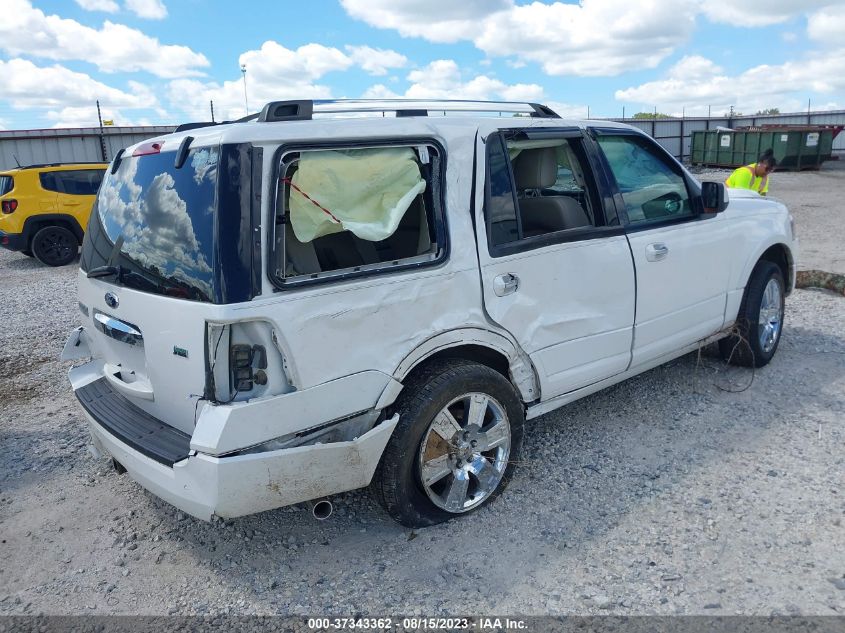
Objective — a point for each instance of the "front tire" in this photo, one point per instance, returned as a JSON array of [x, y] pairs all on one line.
[[454, 448], [759, 323], [54, 246]]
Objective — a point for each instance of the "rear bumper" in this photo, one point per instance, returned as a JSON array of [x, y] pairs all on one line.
[[13, 241], [204, 485]]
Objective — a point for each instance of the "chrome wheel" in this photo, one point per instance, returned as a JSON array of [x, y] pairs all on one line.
[[464, 453], [771, 316]]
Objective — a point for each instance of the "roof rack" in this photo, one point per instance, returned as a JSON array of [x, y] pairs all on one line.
[[301, 110], [78, 162]]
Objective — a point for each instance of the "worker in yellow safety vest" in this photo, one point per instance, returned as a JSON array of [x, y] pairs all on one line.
[[754, 176]]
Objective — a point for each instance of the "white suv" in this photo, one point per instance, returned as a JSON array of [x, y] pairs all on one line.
[[314, 299]]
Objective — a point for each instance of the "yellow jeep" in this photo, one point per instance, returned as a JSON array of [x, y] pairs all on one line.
[[44, 209]]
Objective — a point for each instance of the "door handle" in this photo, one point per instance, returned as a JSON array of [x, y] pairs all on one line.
[[505, 284], [657, 251]]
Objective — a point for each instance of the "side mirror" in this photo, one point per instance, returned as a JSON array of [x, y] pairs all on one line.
[[714, 196]]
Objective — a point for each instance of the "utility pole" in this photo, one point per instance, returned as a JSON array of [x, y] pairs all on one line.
[[246, 100], [102, 134], [809, 118], [623, 113], [211, 103]]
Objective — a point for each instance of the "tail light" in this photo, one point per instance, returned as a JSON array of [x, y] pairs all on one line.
[[153, 147], [247, 364], [9, 206], [244, 361]]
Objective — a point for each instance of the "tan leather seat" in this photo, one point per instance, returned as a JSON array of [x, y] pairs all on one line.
[[536, 169]]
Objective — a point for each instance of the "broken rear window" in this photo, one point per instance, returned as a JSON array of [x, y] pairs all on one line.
[[350, 211]]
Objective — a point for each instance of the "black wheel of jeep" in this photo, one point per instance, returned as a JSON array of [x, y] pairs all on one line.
[[54, 246], [28, 253], [454, 449], [759, 323]]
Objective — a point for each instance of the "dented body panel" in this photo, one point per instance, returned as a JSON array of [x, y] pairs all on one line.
[[334, 354]]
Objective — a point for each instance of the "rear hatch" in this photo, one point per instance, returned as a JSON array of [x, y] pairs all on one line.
[[154, 270]]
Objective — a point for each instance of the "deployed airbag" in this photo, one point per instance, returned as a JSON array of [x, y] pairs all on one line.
[[364, 191]]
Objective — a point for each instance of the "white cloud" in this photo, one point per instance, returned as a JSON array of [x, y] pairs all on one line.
[[827, 26], [109, 6], [273, 63], [26, 85], [149, 9], [783, 86], [376, 61], [753, 13], [585, 38], [86, 116], [442, 79], [592, 38], [276, 73], [568, 110], [434, 20], [112, 48]]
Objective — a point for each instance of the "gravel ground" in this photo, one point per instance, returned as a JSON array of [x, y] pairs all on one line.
[[689, 489], [816, 201]]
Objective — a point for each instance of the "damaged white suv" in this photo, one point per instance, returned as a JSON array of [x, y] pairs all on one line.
[[315, 300]]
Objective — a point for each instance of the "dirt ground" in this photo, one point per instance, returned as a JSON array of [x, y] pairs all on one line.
[[817, 201], [691, 489]]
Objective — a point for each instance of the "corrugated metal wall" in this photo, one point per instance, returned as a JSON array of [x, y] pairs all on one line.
[[83, 144], [675, 134], [69, 145]]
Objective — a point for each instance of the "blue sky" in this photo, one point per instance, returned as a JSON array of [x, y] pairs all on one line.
[[162, 61]]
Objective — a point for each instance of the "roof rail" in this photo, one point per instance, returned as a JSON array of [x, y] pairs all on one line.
[[69, 163], [193, 126], [301, 110]]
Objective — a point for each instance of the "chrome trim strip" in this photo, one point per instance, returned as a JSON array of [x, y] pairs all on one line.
[[118, 330]]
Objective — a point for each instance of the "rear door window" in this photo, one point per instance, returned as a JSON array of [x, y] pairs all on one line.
[[351, 211], [80, 182], [539, 190]]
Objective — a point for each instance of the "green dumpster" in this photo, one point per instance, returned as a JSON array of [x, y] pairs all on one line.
[[795, 147]]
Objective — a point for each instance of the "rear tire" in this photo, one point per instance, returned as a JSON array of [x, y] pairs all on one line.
[[435, 466], [28, 253], [759, 323], [55, 246]]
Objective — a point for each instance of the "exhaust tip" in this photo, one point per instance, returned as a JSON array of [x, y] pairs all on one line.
[[322, 509]]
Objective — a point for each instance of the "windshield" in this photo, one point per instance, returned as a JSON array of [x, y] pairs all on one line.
[[155, 224]]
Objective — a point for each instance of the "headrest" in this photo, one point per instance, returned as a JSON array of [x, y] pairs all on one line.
[[535, 168]]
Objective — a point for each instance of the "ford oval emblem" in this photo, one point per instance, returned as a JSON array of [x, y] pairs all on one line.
[[111, 300]]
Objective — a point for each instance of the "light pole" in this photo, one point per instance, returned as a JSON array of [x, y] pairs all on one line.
[[246, 100]]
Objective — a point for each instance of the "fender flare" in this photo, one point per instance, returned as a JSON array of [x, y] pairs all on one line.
[[521, 369], [757, 254], [34, 222]]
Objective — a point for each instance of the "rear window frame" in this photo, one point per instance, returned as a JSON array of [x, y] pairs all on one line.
[[439, 215], [235, 262], [11, 180]]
